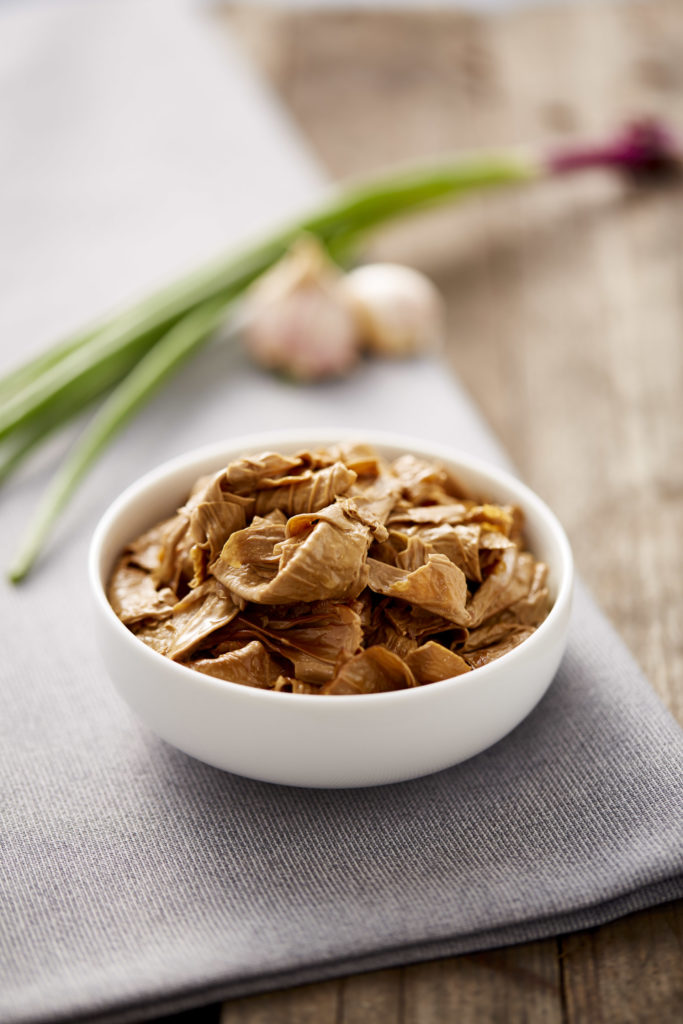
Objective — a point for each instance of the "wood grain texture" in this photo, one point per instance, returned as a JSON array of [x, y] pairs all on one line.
[[361, 999], [309, 1004], [566, 324], [520, 983], [619, 969]]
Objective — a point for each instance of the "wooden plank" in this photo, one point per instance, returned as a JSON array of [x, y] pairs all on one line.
[[566, 317], [307, 1004], [608, 968], [373, 998], [519, 983]]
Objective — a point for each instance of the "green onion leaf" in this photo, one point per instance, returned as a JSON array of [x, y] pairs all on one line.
[[133, 392]]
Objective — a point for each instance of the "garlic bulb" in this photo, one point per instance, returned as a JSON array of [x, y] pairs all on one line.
[[296, 320], [399, 311]]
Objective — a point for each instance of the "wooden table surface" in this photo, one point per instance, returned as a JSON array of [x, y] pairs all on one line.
[[566, 324]]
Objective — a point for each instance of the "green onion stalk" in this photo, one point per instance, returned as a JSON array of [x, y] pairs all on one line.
[[126, 358]]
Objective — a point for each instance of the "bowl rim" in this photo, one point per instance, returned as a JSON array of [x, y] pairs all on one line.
[[307, 438]]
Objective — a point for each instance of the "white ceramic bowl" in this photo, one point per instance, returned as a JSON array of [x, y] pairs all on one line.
[[304, 740]]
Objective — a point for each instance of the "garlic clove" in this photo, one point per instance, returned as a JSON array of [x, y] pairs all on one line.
[[398, 309], [296, 321]]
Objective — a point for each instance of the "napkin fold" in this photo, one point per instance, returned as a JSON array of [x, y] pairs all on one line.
[[136, 880]]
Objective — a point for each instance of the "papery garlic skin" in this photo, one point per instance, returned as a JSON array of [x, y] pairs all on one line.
[[399, 311], [295, 319]]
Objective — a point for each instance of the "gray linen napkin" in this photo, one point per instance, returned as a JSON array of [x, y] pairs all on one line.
[[137, 881]]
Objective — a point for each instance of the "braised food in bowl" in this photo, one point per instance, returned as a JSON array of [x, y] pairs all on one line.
[[332, 571]]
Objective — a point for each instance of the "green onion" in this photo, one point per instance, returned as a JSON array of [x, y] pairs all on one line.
[[24, 375], [132, 353], [21, 444], [109, 352], [132, 393]]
